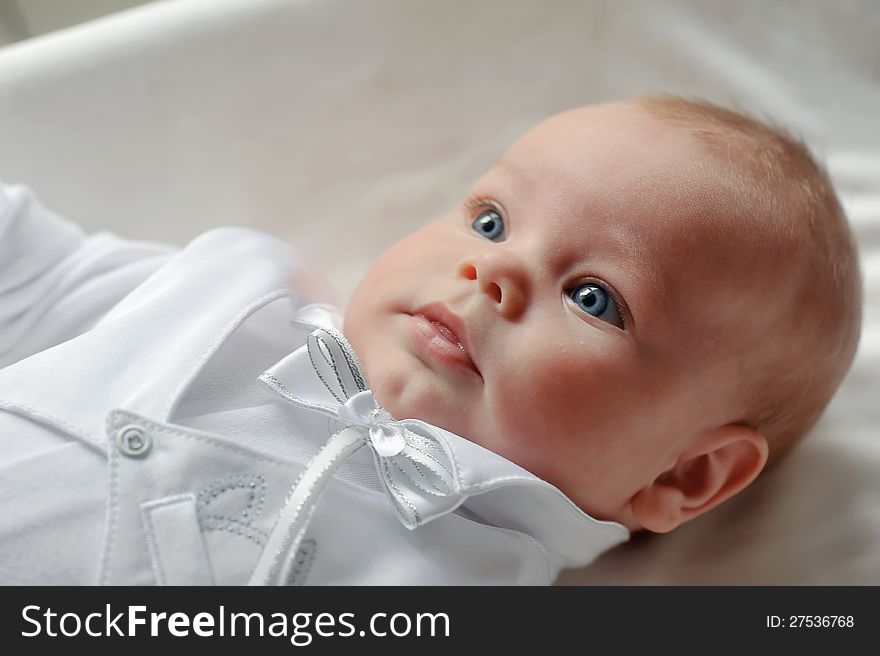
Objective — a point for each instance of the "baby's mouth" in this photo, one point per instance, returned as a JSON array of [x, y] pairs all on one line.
[[444, 330], [444, 335]]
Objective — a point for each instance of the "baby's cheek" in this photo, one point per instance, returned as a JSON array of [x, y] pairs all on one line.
[[553, 401]]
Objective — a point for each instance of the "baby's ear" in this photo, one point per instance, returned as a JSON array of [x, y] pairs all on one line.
[[720, 464]]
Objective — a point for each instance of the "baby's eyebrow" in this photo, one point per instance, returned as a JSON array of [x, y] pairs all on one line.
[[512, 171]]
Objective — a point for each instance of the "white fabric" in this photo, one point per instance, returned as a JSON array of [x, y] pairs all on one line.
[[190, 506], [171, 527], [340, 125]]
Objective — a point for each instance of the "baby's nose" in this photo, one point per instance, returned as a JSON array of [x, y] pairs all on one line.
[[500, 278]]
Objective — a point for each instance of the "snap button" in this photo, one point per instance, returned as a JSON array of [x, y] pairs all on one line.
[[133, 441]]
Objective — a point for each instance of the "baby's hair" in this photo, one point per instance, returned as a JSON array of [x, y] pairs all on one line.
[[793, 196]]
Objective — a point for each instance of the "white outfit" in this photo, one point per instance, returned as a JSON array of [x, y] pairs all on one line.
[[157, 407]]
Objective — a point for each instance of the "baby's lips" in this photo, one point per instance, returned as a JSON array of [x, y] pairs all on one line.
[[451, 327], [450, 336]]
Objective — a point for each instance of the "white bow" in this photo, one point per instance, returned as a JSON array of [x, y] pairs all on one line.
[[361, 410], [415, 464]]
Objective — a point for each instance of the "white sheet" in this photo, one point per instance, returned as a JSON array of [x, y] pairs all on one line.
[[342, 124]]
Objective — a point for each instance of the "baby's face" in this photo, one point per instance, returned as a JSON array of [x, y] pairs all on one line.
[[601, 299]]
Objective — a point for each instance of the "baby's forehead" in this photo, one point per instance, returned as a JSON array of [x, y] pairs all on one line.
[[667, 202], [620, 158], [614, 158], [653, 191]]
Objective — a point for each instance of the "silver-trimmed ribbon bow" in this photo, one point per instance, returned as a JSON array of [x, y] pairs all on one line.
[[415, 463]]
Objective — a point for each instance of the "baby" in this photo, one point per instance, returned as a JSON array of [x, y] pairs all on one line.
[[622, 313], [634, 288]]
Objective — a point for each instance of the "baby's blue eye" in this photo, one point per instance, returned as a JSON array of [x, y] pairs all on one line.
[[489, 224], [595, 300]]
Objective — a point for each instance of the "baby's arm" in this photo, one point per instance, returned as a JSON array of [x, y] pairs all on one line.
[[56, 282]]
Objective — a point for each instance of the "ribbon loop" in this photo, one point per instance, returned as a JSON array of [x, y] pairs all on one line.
[[335, 363]]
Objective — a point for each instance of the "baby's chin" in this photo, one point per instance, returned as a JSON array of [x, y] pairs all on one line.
[[405, 396], [417, 396]]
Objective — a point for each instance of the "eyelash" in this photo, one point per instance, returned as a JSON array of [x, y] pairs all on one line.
[[476, 203]]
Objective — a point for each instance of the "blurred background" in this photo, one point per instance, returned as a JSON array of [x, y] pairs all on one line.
[[22, 19], [341, 125]]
